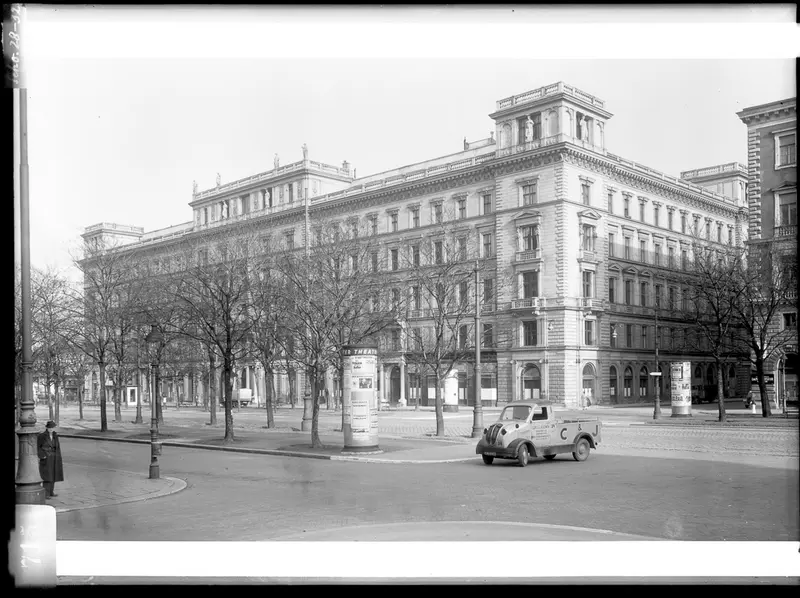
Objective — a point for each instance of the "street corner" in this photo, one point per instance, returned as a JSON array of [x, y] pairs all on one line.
[[129, 488]]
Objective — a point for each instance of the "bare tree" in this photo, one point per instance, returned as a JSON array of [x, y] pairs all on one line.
[[441, 305], [215, 302], [711, 297], [768, 286]]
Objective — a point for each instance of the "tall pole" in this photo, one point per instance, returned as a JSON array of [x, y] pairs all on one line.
[[477, 412], [657, 376], [154, 445], [28, 490]]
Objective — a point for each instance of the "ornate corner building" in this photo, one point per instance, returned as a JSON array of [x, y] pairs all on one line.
[[772, 211], [582, 252]]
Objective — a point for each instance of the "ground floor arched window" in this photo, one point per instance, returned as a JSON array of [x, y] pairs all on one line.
[[628, 388], [643, 382], [531, 382], [588, 392]]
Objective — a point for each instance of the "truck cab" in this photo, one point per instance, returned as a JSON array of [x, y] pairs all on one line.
[[530, 429]]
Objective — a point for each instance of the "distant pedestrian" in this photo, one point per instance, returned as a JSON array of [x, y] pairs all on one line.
[[51, 469]]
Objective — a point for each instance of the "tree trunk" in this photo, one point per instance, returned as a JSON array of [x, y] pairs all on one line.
[[212, 392], [228, 380], [315, 386], [80, 402], [292, 385], [118, 398], [439, 410], [766, 409], [269, 392], [723, 416], [55, 419], [103, 417], [49, 398], [159, 412], [138, 419]]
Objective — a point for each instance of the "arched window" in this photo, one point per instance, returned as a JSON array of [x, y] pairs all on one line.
[[531, 382], [628, 382], [612, 384], [711, 374], [643, 382], [588, 384]]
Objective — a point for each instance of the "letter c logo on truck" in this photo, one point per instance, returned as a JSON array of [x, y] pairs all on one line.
[[563, 433]]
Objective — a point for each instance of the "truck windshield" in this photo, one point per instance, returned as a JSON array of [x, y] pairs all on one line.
[[518, 412]]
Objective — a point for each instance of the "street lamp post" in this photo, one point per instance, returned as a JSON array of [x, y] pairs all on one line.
[[153, 338], [477, 411]]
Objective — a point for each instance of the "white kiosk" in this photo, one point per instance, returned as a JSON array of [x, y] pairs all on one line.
[[360, 399], [681, 388]]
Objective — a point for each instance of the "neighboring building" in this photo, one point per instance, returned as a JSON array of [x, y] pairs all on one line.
[[772, 199], [593, 242]]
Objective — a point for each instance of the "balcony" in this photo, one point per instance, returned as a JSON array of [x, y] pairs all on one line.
[[714, 170], [786, 231], [549, 90], [529, 303], [528, 255], [591, 303]]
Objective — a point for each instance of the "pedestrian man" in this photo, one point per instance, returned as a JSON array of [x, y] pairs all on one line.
[[51, 468]]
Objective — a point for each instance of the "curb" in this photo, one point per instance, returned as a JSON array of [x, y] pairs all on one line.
[[181, 484]]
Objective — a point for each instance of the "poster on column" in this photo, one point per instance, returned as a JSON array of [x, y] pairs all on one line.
[[681, 388], [360, 399]]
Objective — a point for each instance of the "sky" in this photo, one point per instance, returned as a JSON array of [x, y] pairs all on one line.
[[126, 107]]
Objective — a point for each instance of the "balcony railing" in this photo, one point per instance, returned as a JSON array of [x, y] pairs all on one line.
[[529, 255], [548, 90], [711, 170], [529, 303], [786, 231]]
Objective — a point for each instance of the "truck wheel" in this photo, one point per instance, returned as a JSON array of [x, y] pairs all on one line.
[[522, 455], [487, 459], [581, 450], [549, 457]]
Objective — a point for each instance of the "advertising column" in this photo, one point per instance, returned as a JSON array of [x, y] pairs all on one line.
[[681, 388], [360, 399]]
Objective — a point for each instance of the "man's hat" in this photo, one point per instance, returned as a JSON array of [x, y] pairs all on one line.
[[51, 424]]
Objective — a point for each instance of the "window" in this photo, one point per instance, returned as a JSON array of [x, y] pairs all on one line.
[[785, 154], [669, 219], [462, 248], [393, 222], [374, 258], [437, 213], [529, 336], [787, 210], [629, 335], [626, 202], [463, 336], [627, 247], [395, 339], [684, 259], [612, 290], [730, 235], [586, 189], [708, 231], [529, 194], [488, 290], [416, 297], [683, 224], [291, 192], [588, 332], [415, 217], [645, 344], [589, 234], [643, 290], [462, 208], [790, 320], [643, 382], [657, 254], [463, 293], [395, 297], [487, 203], [373, 222], [438, 252], [672, 298], [628, 388], [641, 211], [530, 238], [610, 202], [394, 259], [671, 257], [354, 262], [488, 335], [611, 237], [628, 292], [530, 285], [487, 245], [289, 238], [415, 255], [588, 283], [657, 296], [656, 213], [719, 233], [642, 251]]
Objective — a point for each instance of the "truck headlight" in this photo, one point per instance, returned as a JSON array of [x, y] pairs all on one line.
[[485, 431], [503, 431]]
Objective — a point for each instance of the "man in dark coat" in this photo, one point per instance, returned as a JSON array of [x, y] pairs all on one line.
[[51, 468]]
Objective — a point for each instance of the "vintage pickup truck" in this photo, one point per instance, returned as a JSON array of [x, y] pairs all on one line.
[[529, 429]]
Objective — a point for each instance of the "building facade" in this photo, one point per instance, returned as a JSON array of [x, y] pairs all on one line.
[[772, 207], [582, 253]]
